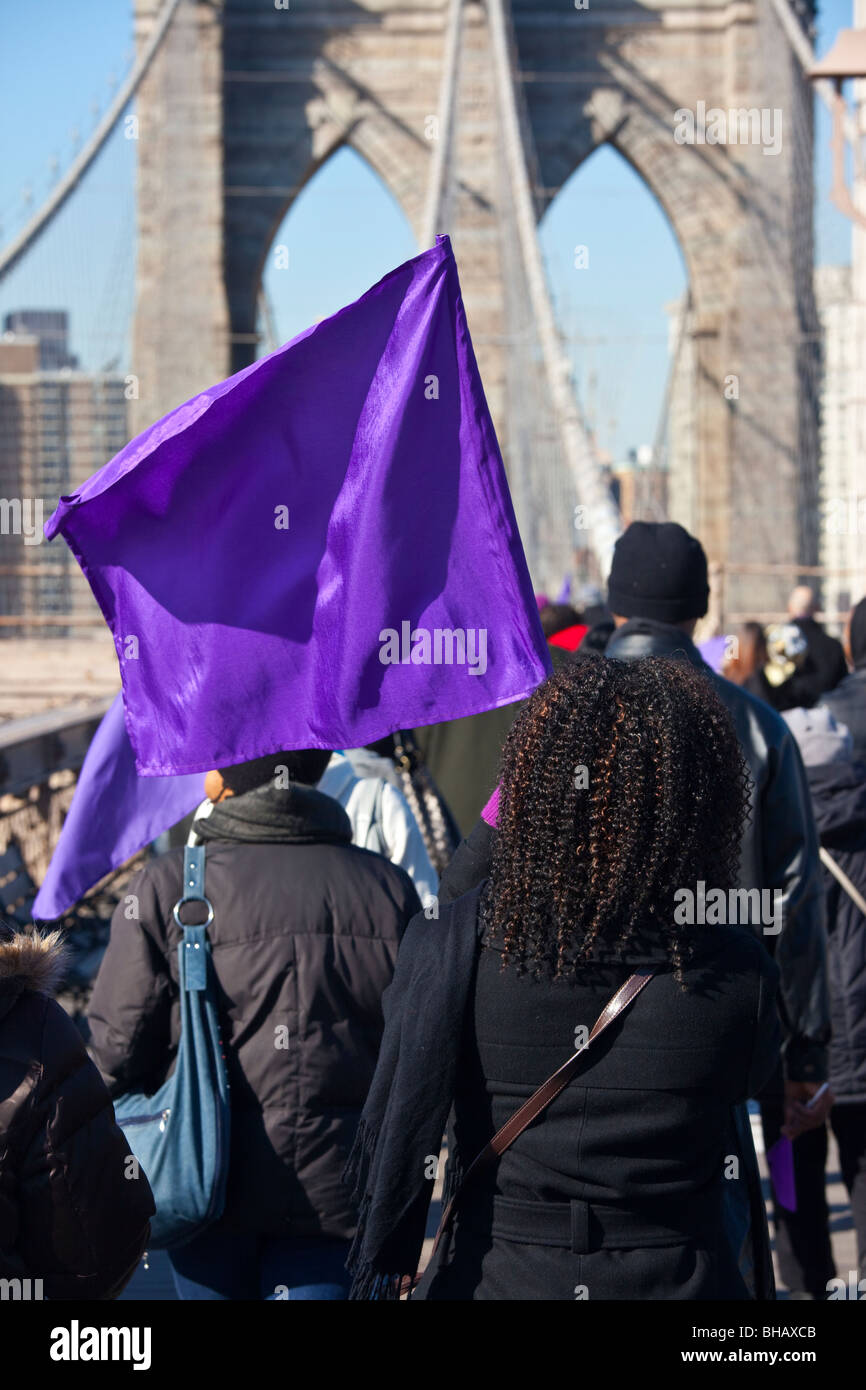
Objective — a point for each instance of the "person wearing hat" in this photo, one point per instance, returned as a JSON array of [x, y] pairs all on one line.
[[848, 700], [657, 591], [837, 782]]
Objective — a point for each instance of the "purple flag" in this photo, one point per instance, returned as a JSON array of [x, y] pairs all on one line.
[[114, 813], [320, 549], [780, 1161]]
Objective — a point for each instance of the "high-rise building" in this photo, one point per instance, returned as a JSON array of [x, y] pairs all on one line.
[[858, 298], [50, 329], [843, 483], [640, 486], [842, 455], [57, 426]]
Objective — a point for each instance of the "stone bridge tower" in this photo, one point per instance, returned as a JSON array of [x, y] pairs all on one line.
[[246, 100]]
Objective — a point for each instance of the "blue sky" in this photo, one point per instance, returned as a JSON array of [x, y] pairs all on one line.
[[57, 60]]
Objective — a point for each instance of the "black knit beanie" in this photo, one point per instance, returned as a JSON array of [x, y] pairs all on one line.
[[304, 765], [659, 571], [857, 635]]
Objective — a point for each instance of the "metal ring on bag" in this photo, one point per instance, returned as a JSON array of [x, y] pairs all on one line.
[[179, 904]]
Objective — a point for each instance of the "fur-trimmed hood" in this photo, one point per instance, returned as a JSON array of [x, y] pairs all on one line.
[[31, 960]]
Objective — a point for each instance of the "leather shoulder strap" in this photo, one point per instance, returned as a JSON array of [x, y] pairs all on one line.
[[842, 878], [540, 1099]]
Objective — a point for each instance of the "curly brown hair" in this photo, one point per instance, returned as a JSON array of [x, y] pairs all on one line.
[[620, 783]]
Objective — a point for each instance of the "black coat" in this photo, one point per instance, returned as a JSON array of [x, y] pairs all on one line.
[[823, 667], [847, 703], [304, 941], [839, 798], [618, 1190], [779, 847], [69, 1214]]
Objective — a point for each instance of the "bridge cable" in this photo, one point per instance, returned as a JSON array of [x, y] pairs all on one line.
[[71, 180], [439, 186], [592, 489]]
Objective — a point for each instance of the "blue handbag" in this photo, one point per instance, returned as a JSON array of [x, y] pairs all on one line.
[[180, 1135]]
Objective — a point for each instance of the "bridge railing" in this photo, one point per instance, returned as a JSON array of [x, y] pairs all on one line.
[[40, 758]]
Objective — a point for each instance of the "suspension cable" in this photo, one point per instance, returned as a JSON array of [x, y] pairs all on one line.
[[605, 521], [71, 180], [435, 210]]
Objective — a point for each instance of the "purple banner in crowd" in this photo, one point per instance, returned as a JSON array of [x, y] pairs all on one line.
[[780, 1161], [713, 652], [320, 549], [114, 813]]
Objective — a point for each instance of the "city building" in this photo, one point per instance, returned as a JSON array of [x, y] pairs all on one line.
[[640, 484], [843, 483], [58, 425], [50, 329]]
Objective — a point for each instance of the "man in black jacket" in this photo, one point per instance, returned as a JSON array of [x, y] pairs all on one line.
[[658, 589], [304, 940], [824, 663], [847, 702]]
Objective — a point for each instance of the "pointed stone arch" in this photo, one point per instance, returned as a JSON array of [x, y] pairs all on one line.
[[266, 94]]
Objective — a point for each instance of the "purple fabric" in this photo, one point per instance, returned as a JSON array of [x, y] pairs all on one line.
[[564, 595], [780, 1161], [713, 652], [114, 813], [491, 811], [237, 638]]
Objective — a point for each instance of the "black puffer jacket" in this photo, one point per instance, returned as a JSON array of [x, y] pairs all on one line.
[[69, 1215], [839, 798], [779, 848], [304, 941]]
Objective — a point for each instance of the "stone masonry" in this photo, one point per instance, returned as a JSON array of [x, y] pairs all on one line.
[[246, 101]]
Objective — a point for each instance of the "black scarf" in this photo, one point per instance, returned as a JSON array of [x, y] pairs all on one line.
[[277, 815], [411, 1094]]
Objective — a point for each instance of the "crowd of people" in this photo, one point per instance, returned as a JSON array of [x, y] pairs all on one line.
[[647, 880]]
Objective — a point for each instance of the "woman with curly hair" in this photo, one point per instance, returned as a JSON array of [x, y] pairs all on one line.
[[623, 793]]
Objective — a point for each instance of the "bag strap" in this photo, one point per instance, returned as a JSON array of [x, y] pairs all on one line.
[[540, 1099], [194, 944], [841, 877]]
